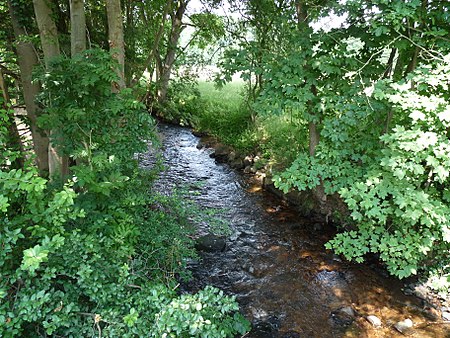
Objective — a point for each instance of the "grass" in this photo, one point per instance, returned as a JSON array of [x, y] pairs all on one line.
[[225, 116], [230, 95]]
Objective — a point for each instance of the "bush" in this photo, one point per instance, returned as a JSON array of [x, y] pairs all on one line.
[[183, 102], [402, 205], [97, 256]]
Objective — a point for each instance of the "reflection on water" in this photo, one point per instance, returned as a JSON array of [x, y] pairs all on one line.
[[288, 285]]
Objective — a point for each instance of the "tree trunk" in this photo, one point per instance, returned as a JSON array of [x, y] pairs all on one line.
[[171, 50], [14, 141], [115, 33], [314, 134], [302, 25], [388, 72], [47, 30], [27, 59], [314, 138], [50, 45], [77, 27], [153, 55]]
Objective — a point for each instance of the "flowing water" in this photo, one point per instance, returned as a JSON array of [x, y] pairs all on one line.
[[275, 263]]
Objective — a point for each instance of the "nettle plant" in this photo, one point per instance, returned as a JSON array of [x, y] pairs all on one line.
[[401, 207]]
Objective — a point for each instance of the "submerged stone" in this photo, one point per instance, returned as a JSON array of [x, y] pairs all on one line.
[[374, 320], [446, 316], [404, 326], [343, 316], [210, 243]]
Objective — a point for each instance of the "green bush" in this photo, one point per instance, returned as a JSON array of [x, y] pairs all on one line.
[[97, 256], [394, 185], [183, 102], [402, 204]]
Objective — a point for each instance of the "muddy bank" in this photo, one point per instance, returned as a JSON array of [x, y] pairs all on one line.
[[275, 263]]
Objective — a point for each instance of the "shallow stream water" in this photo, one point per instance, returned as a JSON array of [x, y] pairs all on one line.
[[275, 262]]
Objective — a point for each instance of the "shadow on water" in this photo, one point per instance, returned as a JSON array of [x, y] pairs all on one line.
[[287, 284]]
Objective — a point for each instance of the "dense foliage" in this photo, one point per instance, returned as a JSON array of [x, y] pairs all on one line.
[[98, 255], [357, 111]]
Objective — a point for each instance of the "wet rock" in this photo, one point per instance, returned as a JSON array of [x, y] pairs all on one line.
[[446, 316], [249, 268], [221, 153], [348, 310], [374, 320], [210, 243], [336, 258], [343, 316], [267, 328], [431, 313], [404, 326], [233, 155], [420, 291], [248, 161], [237, 164], [250, 170], [199, 133]]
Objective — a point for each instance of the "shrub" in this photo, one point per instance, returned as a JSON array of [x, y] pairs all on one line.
[[98, 255]]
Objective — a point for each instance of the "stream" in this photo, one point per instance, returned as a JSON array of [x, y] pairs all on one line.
[[275, 262]]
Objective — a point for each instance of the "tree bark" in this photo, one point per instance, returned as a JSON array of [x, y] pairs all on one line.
[[153, 55], [77, 27], [314, 138], [314, 134], [302, 25], [14, 141], [388, 72], [50, 45], [171, 50], [27, 60], [116, 41], [47, 30]]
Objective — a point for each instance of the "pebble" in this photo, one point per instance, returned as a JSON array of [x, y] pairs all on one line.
[[446, 316], [404, 325], [348, 310], [374, 320]]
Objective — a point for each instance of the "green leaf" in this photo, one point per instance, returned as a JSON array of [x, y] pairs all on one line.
[[33, 257]]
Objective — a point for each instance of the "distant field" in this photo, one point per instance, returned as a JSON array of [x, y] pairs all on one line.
[[229, 95]]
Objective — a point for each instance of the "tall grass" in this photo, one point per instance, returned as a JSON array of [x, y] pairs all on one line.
[[230, 95], [225, 115]]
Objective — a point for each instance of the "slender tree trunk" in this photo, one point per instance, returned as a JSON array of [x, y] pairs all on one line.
[[171, 50], [116, 41], [77, 27], [314, 134], [14, 141], [388, 72], [314, 138], [50, 45], [27, 59], [302, 25], [47, 30], [153, 55]]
